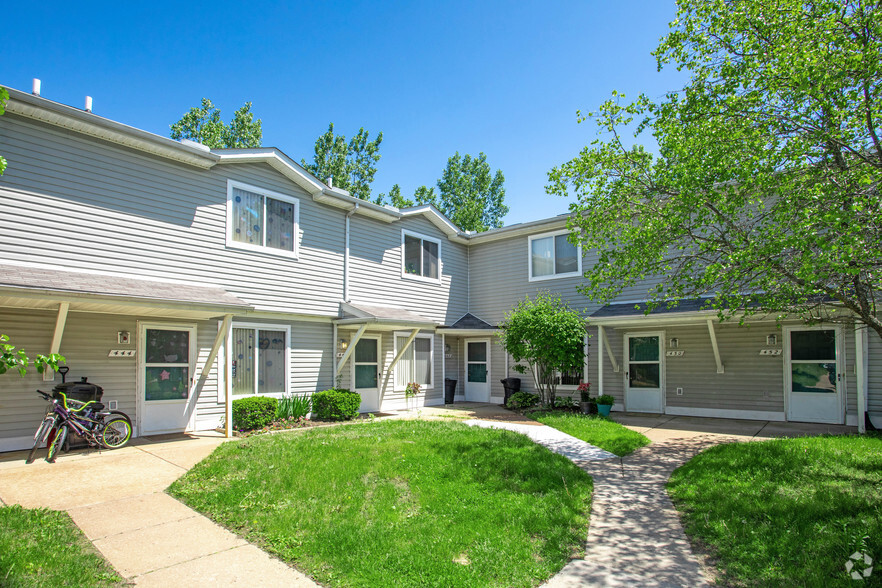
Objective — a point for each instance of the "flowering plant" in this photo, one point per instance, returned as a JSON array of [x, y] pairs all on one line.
[[585, 391], [412, 390]]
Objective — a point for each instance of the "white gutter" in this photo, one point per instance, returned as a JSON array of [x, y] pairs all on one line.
[[862, 366], [346, 254]]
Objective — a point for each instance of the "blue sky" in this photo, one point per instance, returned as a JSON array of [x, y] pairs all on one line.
[[505, 78]]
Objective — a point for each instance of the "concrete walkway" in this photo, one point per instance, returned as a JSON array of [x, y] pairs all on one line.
[[117, 499], [557, 441]]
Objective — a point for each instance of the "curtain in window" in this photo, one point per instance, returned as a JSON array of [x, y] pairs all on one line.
[[243, 361], [280, 224], [541, 256], [271, 362], [422, 361], [412, 255], [247, 217], [430, 259], [565, 256], [404, 367]]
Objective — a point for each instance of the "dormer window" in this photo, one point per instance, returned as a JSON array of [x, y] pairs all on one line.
[[261, 220], [421, 257]]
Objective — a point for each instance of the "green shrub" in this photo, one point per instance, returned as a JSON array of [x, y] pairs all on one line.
[[606, 399], [294, 407], [521, 400], [253, 412], [565, 403], [336, 404]]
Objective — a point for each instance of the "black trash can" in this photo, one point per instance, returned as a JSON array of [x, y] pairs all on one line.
[[449, 390], [511, 386]]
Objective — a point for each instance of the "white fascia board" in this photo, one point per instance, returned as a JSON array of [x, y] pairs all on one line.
[[520, 230], [644, 320], [87, 123], [469, 332], [277, 160], [436, 218]]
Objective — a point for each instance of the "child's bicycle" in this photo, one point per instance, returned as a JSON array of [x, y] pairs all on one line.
[[111, 429]]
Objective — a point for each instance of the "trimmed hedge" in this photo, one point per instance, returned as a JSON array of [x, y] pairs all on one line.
[[521, 400], [254, 412], [336, 404]]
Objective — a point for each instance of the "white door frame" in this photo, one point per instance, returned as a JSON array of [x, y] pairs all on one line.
[[841, 376], [466, 367], [140, 382], [662, 376], [380, 364]]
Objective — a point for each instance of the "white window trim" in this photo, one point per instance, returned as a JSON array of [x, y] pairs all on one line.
[[231, 184], [552, 234], [419, 277], [406, 334], [574, 387], [266, 327]]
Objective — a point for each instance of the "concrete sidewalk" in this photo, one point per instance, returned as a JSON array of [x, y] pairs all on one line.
[[117, 499]]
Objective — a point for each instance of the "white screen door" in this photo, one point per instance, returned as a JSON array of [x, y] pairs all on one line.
[[812, 376], [643, 378], [167, 363], [366, 372], [477, 384]]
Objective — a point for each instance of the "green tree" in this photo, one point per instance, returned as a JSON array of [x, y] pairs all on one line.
[[352, 165], [395, 198], [548, 336], [204, 124], [17, 359], [4, 96], [469, 194], [765, 187]]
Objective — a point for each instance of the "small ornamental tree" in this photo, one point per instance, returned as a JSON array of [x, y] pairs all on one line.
[[17, 359], [546, 335]]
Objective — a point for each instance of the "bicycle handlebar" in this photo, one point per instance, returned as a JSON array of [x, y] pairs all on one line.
[[47, 397]]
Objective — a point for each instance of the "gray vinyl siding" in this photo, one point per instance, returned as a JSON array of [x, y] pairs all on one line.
[[750, 382], [375, 270], [613, 382], [209, 399], [108, 208], [874, 379]]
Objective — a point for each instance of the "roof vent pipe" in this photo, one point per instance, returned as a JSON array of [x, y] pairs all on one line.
[[88, 104], [330, 181], [36, 88]]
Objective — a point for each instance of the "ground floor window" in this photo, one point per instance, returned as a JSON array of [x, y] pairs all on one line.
[[259, 359], [416, 363]]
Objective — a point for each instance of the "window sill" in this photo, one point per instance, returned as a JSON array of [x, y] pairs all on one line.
[[419, 278], [265, 250], [555, 277]]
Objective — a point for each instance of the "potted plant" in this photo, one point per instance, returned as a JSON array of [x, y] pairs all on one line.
[[412, 390], [587, 404], [604, 404]]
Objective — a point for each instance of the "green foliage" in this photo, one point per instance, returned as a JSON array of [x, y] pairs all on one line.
[[765, 189], [565, 403], [204, 124], [469, 194], [596, 430], [352, 165], [399, 503], [254, 412], [549, 336], [522, 400], [4, 96], [336, 404], [294, 407], [41, 547], [787, 512], [606, 399], [17, 359]]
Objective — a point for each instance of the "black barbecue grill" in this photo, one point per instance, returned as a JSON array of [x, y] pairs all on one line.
[[82, 390]]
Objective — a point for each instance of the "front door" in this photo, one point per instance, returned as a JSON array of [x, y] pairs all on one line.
[[167, 361], [366, 373], [812, 375], [645, 372], [477, 384]]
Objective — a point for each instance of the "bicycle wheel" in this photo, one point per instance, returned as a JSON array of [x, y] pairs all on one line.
[[116, 432], [40, 436], [57, 443]]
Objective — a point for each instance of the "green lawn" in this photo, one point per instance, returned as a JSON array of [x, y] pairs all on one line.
[[44, 548], [787, 512], [399, 503], [596, 430]]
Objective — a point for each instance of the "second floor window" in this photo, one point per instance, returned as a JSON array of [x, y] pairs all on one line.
[[260, 219], [422, 256], [553, 256]]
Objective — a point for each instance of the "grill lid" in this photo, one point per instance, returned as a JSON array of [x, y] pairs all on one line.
[[81, 387]]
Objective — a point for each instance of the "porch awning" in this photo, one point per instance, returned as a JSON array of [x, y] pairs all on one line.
[[381, 317], [44, 288], [696, 310], [469, 325]]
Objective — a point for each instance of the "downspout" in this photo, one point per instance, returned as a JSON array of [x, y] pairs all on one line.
[[346, 255]]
